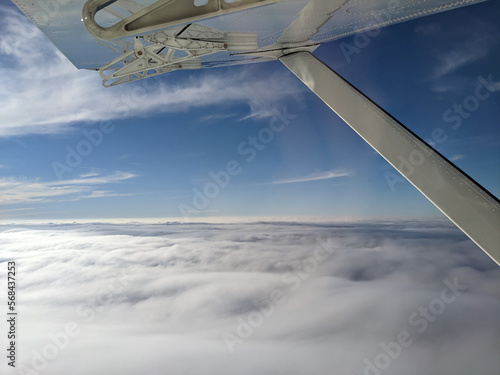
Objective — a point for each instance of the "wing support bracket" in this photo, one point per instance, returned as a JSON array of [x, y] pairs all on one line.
[[469, 206], [173, 49]]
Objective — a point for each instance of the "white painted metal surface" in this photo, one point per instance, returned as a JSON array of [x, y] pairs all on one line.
[[462, 200], [291, 23]]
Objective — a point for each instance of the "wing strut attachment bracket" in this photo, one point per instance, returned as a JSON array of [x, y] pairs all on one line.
[[172, 49]]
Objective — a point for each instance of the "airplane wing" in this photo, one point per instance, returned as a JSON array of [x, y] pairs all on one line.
[[93, 33], [127, 40]]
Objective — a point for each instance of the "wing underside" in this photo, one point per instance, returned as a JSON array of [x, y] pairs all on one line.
[[284, 23]]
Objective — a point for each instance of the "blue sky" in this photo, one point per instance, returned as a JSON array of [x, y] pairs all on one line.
[[155, 146]]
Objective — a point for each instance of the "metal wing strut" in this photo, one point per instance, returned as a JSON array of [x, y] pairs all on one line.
[[473, 209]]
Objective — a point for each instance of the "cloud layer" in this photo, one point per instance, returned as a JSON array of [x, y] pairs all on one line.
[[197, 298]]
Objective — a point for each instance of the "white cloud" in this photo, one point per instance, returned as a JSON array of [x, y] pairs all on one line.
[[456, 157], [217, 117], [260, 108], [315, 176], [455, 59], [103, 193], [15, 190], [42, 92], [146, 297], [473, 44]]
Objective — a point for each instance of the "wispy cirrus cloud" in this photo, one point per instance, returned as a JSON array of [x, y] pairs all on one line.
[[473, 43], [41, 92], [15, 190], [217, 117], [455, 59], [456, 157], [326, 175]]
